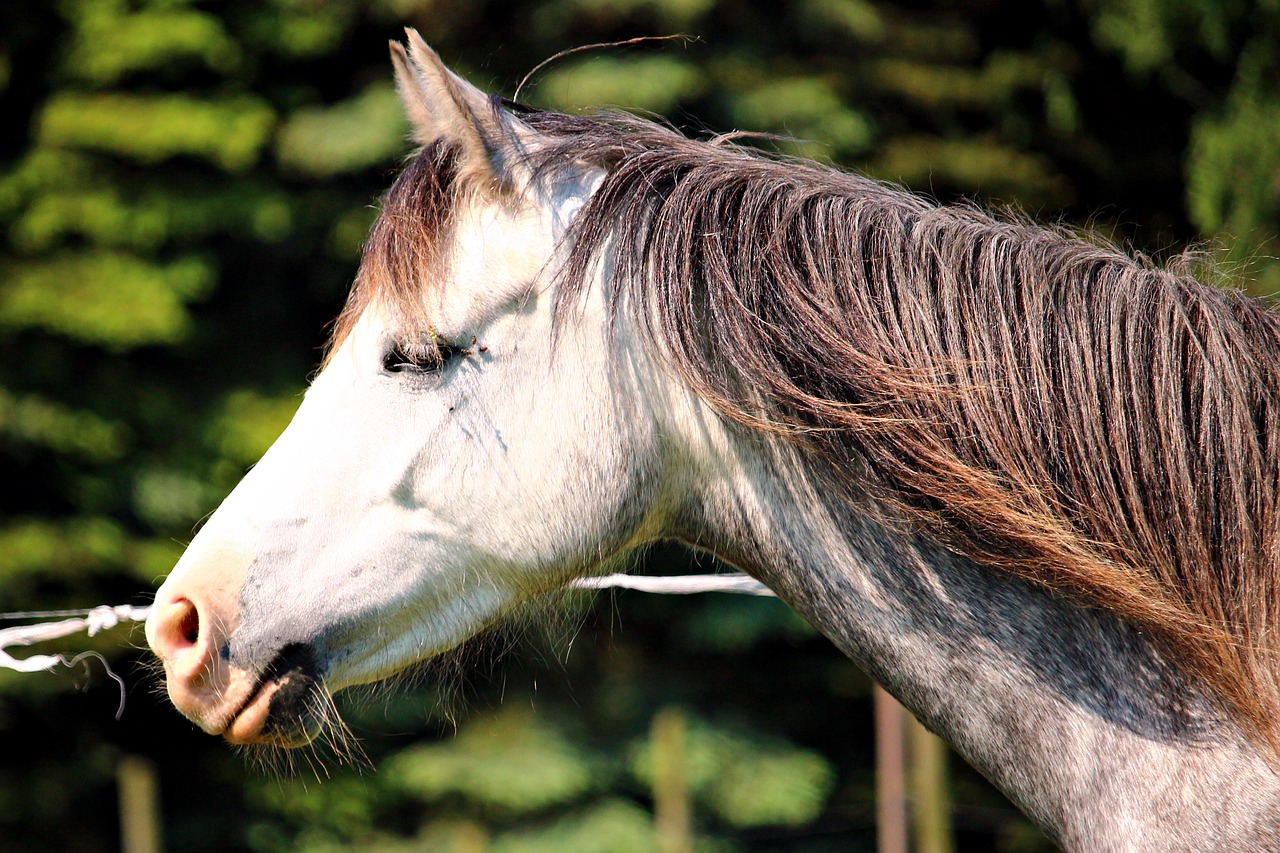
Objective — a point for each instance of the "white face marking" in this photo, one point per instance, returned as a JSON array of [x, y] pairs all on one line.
[[401, 512]]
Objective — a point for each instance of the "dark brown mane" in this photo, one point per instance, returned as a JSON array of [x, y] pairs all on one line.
[[1035, 402]]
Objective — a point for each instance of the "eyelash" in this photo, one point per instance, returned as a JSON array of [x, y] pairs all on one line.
[[419, 359], [402, 358]]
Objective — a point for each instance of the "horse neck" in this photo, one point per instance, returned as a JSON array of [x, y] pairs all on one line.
[[1069, 711]]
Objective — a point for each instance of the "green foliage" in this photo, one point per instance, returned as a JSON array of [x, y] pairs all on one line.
[[511, 763], [1233, 164], [856, 18], [512, 780], [109, 46], [79, 550], [612, 826], [32, 419], [646, 83], [300, 29], [747, 780], [997, 169], [248, 422], [230, 131], [142, 302], [362, 131], [808, 108], [29, 546], [57, 197], [773, 788], [1151, 34], [558, 15], [730, 624], [1002, 76], [344, 807]]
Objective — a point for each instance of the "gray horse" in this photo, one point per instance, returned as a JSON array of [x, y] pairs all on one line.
[[1028, 483]]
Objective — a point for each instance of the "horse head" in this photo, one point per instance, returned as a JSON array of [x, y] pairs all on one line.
[[460, 451]]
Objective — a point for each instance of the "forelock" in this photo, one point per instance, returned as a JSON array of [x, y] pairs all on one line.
[[405, 248]]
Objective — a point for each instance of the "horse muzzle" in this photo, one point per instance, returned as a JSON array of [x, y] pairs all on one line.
[[278, 705]]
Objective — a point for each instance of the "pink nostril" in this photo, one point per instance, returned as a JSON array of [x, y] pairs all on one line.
[[179, 636], [189, 625]]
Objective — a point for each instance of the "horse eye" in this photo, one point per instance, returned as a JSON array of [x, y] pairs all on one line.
[[417, 359]]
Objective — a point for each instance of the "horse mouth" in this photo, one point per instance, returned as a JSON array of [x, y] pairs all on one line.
[[281, 709]]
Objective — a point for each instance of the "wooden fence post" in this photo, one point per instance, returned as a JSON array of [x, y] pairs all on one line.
[[139, 792], [891, 786], [672, 818], [930, 791]]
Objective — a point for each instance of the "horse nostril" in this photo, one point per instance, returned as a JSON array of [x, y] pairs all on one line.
[[178, 629], [189, 626]]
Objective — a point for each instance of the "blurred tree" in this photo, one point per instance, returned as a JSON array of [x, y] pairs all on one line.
[[184, 187]]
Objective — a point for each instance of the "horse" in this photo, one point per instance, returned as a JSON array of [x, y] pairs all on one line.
[[1027, 481]]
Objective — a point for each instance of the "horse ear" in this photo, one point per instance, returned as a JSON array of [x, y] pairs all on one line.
[[441, 105]]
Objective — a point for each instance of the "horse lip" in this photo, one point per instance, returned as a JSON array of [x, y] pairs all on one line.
[[278, 711], [247, 723]]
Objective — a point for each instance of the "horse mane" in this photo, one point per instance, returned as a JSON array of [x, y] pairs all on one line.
[[1038, 403]]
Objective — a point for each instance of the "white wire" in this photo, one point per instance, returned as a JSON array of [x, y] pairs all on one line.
[[678, 584], [95, 620], [106, 616]]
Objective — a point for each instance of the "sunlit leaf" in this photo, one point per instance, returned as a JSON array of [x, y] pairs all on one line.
[[747, 780], [653, 83], [365, 130], [109, 46], [110, 299], [33, 419], [229, 132], [512, 760], [249, 423]]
